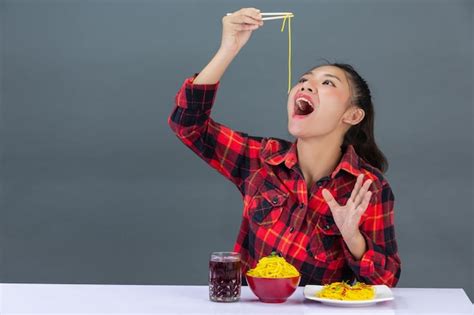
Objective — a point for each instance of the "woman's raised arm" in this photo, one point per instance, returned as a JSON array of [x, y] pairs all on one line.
[[232, 153]]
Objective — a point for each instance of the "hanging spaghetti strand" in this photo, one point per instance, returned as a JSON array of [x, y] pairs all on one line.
[[289, 16]]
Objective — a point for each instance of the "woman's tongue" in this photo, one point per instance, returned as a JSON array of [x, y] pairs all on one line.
[[303, 110]]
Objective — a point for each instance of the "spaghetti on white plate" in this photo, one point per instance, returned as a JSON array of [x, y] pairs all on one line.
[[344, 291]]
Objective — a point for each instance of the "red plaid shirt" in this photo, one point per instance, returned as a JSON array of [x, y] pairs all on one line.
[[278, 213]]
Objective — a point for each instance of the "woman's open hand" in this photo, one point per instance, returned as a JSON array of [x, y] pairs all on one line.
[[237, 28], [347, 216]]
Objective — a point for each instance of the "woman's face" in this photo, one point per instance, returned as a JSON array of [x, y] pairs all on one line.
[[327, 88]]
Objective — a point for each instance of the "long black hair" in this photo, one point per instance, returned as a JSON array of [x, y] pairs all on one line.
[[361, 136]]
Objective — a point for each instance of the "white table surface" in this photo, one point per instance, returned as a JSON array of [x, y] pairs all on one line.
[[180, 299]]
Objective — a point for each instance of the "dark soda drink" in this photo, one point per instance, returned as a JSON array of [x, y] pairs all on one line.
[[225, 276]]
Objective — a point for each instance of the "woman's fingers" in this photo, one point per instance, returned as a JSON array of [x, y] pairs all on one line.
[[362, 192], [364, 204], [333, 204], [356, 188], [244, 19], [245, 27], [247, 15], [254, 15], [252, 12]]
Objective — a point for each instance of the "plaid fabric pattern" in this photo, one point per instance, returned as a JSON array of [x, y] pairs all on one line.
[[280, 213]]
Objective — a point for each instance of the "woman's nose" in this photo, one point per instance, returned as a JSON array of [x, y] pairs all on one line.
[[306, 88]]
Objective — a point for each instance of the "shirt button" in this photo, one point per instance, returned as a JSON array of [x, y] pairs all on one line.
[[275, 200], [292, 229], [327, 227], [301, 205]]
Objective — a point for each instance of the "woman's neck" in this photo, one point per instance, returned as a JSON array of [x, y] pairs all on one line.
[[318, 157]]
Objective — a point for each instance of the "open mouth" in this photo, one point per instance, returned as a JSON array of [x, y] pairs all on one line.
[[303, 107]]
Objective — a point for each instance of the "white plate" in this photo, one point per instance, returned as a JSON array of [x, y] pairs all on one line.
[[382, 293]]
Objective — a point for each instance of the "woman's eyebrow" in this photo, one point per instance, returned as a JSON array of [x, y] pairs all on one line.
[[326, 75]]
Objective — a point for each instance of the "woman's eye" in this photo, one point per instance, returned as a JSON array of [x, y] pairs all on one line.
[[304, 79], [329, 81]]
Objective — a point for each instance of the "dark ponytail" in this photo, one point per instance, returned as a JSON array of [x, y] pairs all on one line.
[[361, 136]]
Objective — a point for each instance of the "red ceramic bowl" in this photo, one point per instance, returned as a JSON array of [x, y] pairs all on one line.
[[273, 290]]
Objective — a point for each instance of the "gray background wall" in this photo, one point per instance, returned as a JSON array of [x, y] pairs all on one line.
[[97, 189]]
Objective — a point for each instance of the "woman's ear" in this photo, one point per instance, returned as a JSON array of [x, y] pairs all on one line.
[[354, 115]]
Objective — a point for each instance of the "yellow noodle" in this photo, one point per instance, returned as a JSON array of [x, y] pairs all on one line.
[[273, 266], [344, 291], [289, 16]]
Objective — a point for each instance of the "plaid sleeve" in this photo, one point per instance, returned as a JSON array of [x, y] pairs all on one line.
[[232, 153], [380, 264]]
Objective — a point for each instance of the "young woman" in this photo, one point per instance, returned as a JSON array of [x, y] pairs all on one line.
[[321, 201]]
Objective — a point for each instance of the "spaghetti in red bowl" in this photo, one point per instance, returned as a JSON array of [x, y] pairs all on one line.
[[273, 280]]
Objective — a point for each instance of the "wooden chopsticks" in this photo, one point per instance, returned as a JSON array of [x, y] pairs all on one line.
[[274, 15]]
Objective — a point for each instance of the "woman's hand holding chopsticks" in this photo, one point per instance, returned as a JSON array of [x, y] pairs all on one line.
[[237, 28]]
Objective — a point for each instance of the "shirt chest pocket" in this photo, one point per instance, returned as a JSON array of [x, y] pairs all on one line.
[[267, 206], [324, 244]]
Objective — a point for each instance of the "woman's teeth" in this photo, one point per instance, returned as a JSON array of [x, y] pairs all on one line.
[[303, 100]]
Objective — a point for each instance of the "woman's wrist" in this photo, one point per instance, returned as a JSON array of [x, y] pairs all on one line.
[[214, 70], [356, 244], [227, 52]]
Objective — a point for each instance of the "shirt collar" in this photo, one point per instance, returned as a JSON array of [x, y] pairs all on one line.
[[277, 151]]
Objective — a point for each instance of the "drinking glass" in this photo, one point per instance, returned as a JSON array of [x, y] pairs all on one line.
[[225, 276]]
